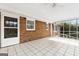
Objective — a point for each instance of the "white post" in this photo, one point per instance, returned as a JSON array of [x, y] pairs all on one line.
[[51, 30]]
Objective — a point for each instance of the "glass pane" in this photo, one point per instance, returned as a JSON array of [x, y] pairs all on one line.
[[73, 35], [73, 26], [78, 24], [73, 29], [66, 28], [9, 32], [66, 34], [78, 35], [61, 29], [30, 24], [66, 25], [78, 27], [10, 22]]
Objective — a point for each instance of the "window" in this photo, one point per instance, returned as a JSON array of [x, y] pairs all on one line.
[[69, 28], [10, 27], [30, 25]]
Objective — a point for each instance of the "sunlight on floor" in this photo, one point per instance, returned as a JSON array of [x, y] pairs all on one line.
[[65, 40]]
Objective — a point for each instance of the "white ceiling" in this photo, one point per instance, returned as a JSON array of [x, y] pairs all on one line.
[[45, 11]]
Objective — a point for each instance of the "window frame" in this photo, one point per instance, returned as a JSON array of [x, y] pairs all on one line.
[[33, 25]]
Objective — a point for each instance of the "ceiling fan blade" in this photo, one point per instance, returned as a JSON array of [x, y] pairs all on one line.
[[54, 4]]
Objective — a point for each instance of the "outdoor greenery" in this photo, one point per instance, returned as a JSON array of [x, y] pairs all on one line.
[[69, 28]]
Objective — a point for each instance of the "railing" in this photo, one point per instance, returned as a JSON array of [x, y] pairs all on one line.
[[67, 36]]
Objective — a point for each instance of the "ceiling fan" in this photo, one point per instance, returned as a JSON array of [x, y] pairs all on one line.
[[55, 5]]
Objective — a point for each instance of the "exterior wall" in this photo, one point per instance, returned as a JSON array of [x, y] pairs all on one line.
[[39, 32]]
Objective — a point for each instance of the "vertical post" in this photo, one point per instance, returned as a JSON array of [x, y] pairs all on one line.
[[69, 28], [0, 29], [77, 28], [51, 29]]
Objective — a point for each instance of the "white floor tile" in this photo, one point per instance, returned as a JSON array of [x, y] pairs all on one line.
[[49, 46]]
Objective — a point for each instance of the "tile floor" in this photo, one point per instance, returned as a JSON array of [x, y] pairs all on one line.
[[50, 46]]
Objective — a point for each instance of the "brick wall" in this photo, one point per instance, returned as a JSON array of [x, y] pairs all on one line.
[[40, 31]]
